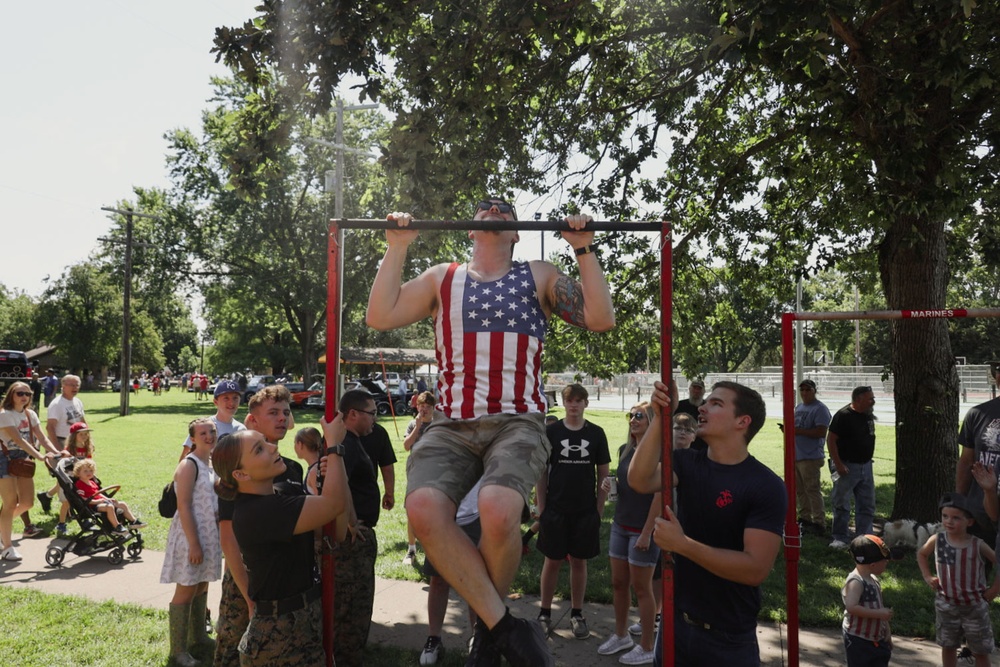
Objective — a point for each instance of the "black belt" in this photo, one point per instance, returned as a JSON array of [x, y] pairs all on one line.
[[709, 626], [695, 622], [289, 604]]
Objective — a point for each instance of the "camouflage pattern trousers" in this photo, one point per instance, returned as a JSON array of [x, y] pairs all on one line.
[[354, 597], [294, 639], [233, 620]]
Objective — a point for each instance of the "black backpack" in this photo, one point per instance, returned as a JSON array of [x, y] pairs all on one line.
[[168, 499]]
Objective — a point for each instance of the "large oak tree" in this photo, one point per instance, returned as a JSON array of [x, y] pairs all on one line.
[[773, 133]]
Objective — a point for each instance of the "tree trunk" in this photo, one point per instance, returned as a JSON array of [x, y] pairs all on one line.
[[914, 270]]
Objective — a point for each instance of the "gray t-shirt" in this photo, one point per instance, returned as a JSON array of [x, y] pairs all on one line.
[[810, 415]]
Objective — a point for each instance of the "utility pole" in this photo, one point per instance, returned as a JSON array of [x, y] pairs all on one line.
[[340, 148], [125, 369], [857, 330], [337, 186]]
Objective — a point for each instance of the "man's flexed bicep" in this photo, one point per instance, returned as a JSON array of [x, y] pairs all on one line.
[[393, 304]]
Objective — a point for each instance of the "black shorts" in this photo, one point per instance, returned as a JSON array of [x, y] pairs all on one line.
[[473, 530], [577, 534]]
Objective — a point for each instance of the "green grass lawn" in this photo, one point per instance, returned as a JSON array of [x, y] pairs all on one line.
[[141, 451]]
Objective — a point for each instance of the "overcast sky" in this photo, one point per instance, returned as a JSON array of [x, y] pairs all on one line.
[[89, 90]]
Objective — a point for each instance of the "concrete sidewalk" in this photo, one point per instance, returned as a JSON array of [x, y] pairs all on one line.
[[400, 614]]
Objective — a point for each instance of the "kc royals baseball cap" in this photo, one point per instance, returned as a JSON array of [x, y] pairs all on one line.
[[226, 387]]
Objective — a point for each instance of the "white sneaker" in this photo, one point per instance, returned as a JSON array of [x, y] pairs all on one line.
[[10, 553], [637, 656], [636, 628], [614, 644], [432, 651], [838, 544]]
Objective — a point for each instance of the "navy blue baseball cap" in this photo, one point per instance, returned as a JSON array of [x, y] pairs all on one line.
[[226, 387]]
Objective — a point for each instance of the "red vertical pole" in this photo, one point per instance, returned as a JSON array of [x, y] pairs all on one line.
[[667, 377], [332, 382], [793, 540]]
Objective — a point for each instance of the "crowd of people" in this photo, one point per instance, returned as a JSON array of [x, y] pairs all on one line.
[[480, 453]]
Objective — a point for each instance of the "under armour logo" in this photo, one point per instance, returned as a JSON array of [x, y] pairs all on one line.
[[725, 498], [581, 448]]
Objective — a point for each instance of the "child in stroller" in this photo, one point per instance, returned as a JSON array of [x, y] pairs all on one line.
[[97, 533], [87, 488]]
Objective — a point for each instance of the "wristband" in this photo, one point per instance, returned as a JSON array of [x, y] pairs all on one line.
[[585, 250]]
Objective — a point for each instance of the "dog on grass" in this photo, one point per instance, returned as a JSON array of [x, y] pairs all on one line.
[[908, 533]]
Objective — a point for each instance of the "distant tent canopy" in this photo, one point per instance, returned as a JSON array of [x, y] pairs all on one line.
[[395, 356]]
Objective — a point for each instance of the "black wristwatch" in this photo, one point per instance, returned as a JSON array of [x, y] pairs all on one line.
[[336, 449]]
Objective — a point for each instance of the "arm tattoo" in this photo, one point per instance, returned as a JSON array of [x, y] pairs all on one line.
[[569, 301]]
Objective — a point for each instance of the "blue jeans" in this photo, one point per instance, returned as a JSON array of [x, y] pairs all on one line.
[[697, 647], [860, 482]]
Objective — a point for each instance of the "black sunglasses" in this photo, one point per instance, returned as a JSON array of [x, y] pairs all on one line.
[[22, 394], [501, 206], [636, 415]]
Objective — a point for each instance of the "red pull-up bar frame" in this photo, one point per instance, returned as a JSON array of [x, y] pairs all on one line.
[[793, 540], [333, 341]]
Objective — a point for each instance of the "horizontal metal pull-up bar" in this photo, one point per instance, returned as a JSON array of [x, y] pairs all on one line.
[[928, 314], [517, 225]]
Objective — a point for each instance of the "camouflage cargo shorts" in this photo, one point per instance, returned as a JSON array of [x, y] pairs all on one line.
[[971, 620], [505, 450]]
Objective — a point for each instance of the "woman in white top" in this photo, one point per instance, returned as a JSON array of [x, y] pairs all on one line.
[[20, 432]]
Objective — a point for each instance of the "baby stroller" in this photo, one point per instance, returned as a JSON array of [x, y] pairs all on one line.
[[96, 534]]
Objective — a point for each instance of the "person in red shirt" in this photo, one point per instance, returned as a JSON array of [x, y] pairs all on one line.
[[88, 489]]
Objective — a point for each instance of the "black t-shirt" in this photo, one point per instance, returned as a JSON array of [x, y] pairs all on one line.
[[573, 466], [362, 480], [279, 563], [288, 483], [378, 446], [855, 435], [715, 504]]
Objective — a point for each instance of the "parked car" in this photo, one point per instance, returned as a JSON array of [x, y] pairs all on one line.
[[300, 396], [390, 380], [255, 384], [378, 391]]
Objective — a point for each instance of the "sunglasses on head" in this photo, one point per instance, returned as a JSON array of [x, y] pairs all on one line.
[[501, 206], [636, 415]]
